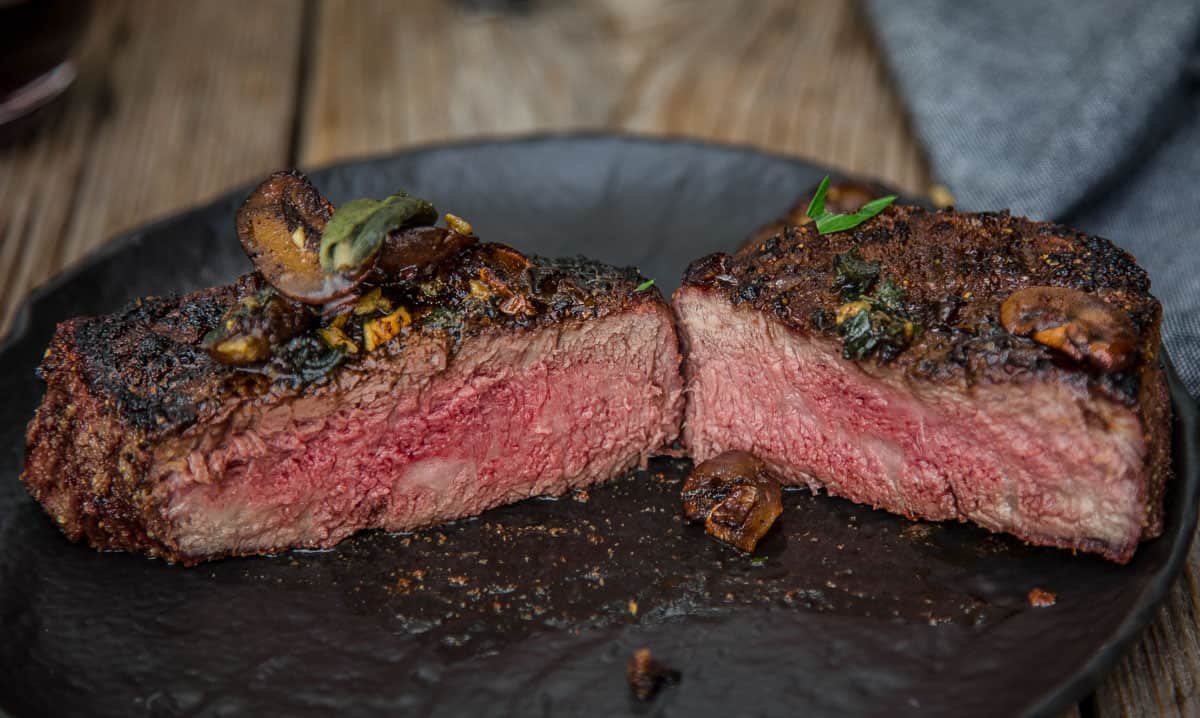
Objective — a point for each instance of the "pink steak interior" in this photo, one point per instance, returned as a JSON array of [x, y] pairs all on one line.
[[1033, 459], [419, 443]]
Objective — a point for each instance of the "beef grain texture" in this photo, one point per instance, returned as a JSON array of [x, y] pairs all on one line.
[[144, 443], [968, 422]]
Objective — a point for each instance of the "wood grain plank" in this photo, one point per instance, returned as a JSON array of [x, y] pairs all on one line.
[[41, 172], [797, 77], [186, 125], [382, 82], [155, 123], [1160, 675]]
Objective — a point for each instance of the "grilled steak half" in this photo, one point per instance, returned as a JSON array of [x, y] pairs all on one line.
[[899, 364], [499, 379]]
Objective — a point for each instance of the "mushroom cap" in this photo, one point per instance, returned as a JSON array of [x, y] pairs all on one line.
[[1080, 325], [280, 226]]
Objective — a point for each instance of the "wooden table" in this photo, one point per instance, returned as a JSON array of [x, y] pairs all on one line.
[[178, 101]]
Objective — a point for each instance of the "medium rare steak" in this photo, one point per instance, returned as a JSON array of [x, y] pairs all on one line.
[[492, 379], [940, 365]]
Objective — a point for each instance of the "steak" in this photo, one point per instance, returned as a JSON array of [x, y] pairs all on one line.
[[877, 364], [502, 384]]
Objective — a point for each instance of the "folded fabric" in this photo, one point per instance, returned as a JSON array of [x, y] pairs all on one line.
[[1087, 114]]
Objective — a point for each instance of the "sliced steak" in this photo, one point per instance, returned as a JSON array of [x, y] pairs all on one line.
[[495, 389], [876, 364]]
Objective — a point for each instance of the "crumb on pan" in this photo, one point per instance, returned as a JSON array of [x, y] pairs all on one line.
[[1041, 598], [647, 675]]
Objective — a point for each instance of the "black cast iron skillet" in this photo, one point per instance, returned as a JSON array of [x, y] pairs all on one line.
[[534, 609]]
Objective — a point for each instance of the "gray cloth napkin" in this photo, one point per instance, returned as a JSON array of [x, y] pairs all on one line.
[[1084, 113]]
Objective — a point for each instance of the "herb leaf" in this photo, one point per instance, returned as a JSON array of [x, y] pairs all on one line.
[[875, 206], [859, 338], [873, 318], [877, 322], [758, 561], [644, 285], [828, 223], [890, 296], [872, 330], [816, 208], [344, 223], [357, 229], [853, 275]]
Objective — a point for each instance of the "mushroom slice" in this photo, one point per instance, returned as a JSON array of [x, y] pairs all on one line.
[[507, 260], [1078, 324], [280, 226], [504, 270], [736, 496], [405, 253]]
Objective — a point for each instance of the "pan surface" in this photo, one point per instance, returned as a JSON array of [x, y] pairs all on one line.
[[534, 609]]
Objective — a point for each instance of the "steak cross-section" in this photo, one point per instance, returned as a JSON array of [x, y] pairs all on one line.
[[145, 443], [875, 364]]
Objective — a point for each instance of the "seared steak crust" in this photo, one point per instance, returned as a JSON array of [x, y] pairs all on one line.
[[147, 359], [955, 270], [134, 391]]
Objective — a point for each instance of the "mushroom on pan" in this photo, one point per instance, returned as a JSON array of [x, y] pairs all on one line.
[[736, 496]]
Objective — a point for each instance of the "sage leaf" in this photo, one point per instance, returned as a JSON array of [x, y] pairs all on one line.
[[341, 228], [356, 238]]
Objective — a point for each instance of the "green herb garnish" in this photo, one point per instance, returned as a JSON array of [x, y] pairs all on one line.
[[853, 275], [888, 295], [828, 223], [644, 285], [443, 318], [758, 561], [870, 330], [357, 229], [873, 318], [306, 358]]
